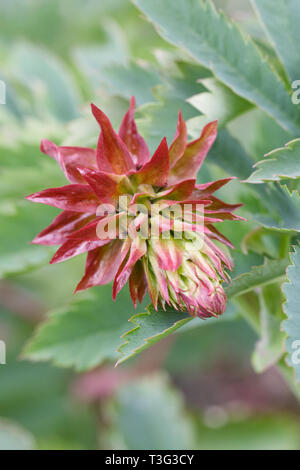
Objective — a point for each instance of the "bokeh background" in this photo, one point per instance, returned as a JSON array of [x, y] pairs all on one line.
[[194, 390]]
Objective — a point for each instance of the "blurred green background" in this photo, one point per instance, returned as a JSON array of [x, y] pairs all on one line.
[[195, 390]]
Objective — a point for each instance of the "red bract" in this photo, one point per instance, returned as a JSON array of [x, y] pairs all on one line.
[[115, 178]]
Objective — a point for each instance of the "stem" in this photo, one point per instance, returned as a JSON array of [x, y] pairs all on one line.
[[284, 246]]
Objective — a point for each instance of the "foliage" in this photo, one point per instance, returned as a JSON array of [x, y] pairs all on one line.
[[291, 324], [178, 55]]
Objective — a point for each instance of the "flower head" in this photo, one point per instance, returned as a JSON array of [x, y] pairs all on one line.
[[170, 248]]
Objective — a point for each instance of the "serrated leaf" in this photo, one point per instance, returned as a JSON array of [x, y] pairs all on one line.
[[283, 208], [157, 119], [291, 308], [219, 45], [281, 19], [151, 326], [282, 163], [270, 271], [83, 334], [87, 332], [218, 103], [270, 348], [159, 324], [190, 86]]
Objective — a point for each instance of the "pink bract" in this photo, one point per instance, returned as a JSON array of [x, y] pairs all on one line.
[[172, 270]]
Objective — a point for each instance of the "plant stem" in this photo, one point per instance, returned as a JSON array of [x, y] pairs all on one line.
[[284, 246]]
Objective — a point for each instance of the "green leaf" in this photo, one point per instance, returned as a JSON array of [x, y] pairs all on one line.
[[270, 348], [149, 328], [48, 80], [23, 260], [186, 87], [283, 208], [14, 437], [243, 263], [218, 103], [11, 99], [291, 308], [258, 133], [37, 396], [87, 332], [228, 154], [263, 242], [18, 228], [18, 182], [234, 59], [131, 80], [268, 51], [83, 334], [282, 163], [270, 271], [281, 19], [137, 426], [92, 60], [157, 119]]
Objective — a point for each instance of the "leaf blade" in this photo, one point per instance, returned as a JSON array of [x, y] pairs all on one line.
[[169, 322], [281, 163], [291, 325], [270, 271], [163, 323], [82, 335], [283, 16], [219, 45]]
